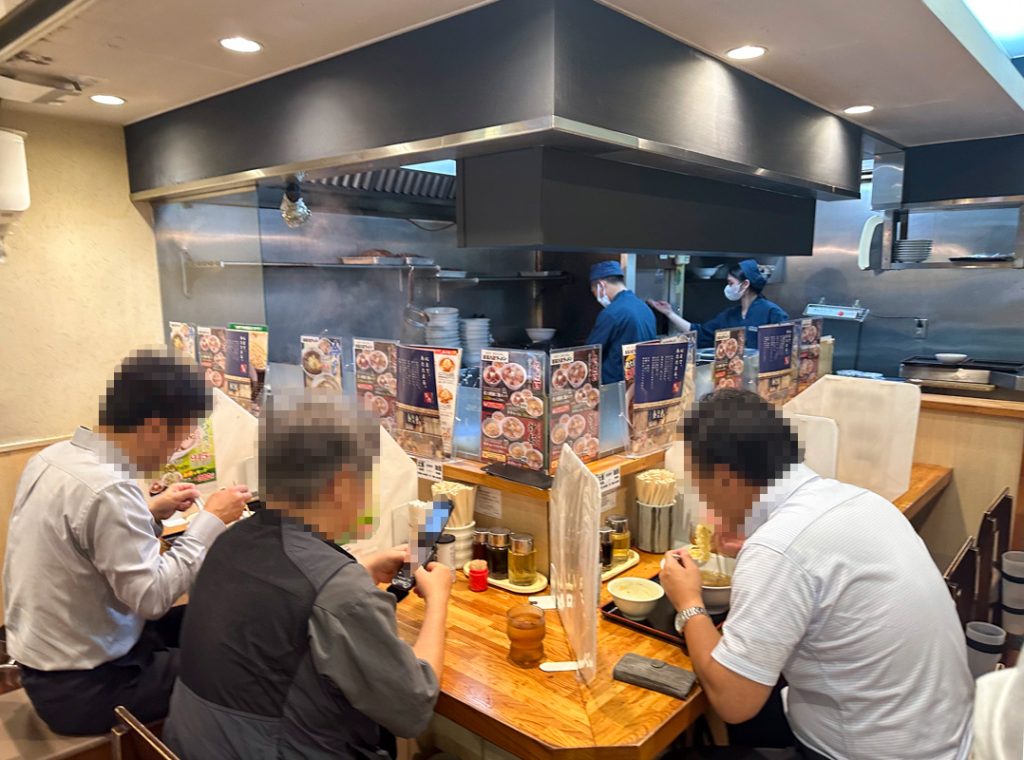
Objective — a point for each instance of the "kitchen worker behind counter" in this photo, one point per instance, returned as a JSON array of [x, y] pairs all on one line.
[[624, 318], [744, 284]]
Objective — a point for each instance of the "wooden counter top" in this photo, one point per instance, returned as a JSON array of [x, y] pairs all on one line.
[[927, 481], [551, 715], [968, 405]]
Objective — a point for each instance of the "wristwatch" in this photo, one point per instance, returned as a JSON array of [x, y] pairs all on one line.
[[683, 617]]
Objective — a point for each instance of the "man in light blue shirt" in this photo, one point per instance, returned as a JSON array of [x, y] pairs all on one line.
[[83, 572]]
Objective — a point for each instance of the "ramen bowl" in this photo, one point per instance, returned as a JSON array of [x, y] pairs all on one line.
[[636, 598]]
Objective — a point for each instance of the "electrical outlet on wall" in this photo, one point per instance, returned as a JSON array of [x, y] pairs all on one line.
[[920, 328]]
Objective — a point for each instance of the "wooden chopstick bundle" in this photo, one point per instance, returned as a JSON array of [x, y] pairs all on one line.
[[463, 500], [656, 488]]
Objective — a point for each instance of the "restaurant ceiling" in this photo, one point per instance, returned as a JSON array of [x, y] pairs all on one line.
[[898, 56]]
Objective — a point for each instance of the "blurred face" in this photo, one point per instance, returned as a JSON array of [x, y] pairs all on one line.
[[156, 439], [336, 514], [729, 498]]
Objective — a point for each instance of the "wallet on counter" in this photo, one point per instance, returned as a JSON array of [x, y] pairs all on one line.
[[655, 675]]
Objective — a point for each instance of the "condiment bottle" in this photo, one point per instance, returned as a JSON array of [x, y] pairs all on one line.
[[445, 548], [620, 538], [522, 560], [477, 575], [480, 543], [497, 553], [606, 547]]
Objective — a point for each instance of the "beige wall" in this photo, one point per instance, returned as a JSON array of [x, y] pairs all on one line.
[[79, 289]]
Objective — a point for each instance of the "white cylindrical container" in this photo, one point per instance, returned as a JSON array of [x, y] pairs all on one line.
[[984, 647], [1013, 580], [446, 551]]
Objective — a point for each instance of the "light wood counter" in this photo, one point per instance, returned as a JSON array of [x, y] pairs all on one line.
[[927, 482], [533, 714], [983, 406]]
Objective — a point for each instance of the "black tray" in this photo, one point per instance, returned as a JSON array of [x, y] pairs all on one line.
[[519, 475], [661, 622]]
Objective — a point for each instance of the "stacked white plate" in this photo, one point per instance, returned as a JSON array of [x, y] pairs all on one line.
[[476, 336], [443, 327], [911, 251]]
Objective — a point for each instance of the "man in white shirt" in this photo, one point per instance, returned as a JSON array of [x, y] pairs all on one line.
[[832, 589], [83, 572]]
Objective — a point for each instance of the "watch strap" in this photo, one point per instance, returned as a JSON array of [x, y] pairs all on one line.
[[684, 616]]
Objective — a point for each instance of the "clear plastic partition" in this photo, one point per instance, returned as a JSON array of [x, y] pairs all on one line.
[[614, 430]]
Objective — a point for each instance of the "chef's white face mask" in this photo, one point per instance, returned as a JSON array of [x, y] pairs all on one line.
[[602, 295], [733, 291]]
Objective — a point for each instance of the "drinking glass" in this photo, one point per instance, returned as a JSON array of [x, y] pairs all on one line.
[[525, 628]]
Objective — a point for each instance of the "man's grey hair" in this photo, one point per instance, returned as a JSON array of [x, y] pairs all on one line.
[[306, 439]]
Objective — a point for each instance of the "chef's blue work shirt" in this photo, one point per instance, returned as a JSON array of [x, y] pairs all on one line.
[[625, 320], [761, 312]]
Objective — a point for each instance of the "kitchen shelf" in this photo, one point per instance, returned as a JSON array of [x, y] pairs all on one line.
[[1015, 264]]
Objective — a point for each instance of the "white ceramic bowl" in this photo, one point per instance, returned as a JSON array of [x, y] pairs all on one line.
[[716, 598], [951, 358], [623, 592], [538, 334]]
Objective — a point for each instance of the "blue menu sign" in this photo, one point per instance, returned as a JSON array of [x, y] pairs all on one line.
[[777, 350]]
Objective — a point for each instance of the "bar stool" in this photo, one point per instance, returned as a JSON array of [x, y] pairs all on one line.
[[24, 736], [993, 542], [961, 578], [132, 740]]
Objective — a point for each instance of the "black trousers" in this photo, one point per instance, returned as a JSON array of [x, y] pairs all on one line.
[[82, 702]]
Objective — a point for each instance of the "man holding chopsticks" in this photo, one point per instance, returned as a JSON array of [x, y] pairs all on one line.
[[832, 589]]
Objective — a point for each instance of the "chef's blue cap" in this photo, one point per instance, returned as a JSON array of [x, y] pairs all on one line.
[[603, 269], [753, 274]]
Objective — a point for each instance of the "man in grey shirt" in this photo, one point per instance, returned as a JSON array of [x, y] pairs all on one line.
[[84, 573], [289, 649]]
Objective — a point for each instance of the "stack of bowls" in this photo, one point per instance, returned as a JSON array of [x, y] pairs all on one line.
[[476, 336], [443, 327], [463, 542], [911, 251]]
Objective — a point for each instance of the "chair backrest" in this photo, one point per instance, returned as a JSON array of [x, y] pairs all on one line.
[[993, 542], [132, 740], [961, 578]]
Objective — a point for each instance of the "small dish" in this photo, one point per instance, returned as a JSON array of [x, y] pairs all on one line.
[[635, 597], [951, 358]]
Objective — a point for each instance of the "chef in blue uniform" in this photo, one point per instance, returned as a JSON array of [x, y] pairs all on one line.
[[744, 284], [624, 319]]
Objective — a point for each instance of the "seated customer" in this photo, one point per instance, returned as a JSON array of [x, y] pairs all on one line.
[[288, 648], [832, 589], [84, 573]]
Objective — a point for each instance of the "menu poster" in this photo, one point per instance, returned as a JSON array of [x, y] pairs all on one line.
[[575, 416], [238, 380], [777, 349], [321, 363], [376, 384], [213, 346], [654, 392], [427, 383], [191, 462], [259, 355], [728, 369], [183, 339], [810, 351], [513, 401]]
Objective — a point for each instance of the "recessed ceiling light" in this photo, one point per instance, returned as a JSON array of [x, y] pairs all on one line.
[[853, 110], [746, 52], [241, 45], [107, 100]]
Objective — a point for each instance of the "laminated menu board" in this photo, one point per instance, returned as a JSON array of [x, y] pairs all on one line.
[[655, 375], [376, 384], [778, 350], [238, 372], [514, 403], [575, 402], [183, 339], [259, 356], [321, 362], [192, 462], [428, 379], [810, 352], [729, 362], [213, 346]]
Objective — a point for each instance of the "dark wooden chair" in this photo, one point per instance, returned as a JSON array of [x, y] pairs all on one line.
[[993, 542], [131, 739], [961, 577]]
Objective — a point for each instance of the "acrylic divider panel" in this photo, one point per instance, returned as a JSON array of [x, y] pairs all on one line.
[[321, 362], [810, 352], [427, 383], [574, 515], [778, 351], [375, 363], [574, 418], [729, 364], [513, 408], [655, 379]]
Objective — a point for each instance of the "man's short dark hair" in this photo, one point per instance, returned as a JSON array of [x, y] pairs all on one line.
[[306, 439], [741, 431], [153, 384]]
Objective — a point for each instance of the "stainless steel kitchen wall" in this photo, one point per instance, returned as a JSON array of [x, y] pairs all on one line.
[[345, 302], [974, 311]]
